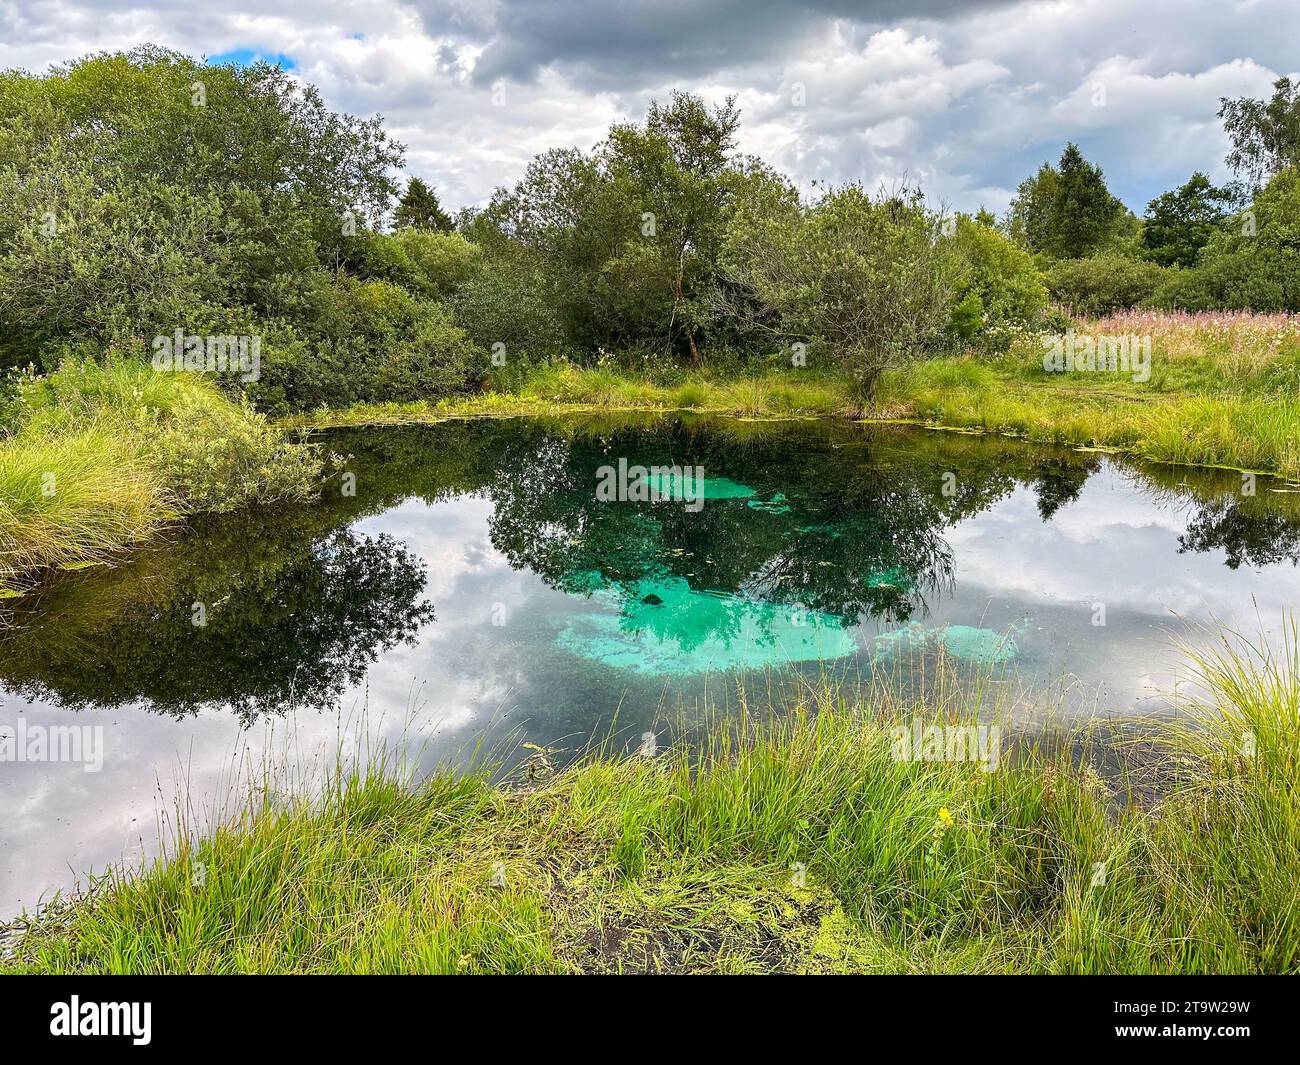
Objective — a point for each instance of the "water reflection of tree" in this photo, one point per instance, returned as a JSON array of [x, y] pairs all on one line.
[[1060, 481], [288, 623], [1240, 516], [299, 605], [1255, 535], [858, 532]]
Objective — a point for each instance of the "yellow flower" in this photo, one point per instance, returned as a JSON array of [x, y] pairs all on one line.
[[945, 818]]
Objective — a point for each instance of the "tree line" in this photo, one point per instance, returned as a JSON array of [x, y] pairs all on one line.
[[146, 191]]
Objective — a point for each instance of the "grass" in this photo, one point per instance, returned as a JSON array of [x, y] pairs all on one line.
[[69, 499], [1224, 391], [683, 862], [98, 457], [561, 388]]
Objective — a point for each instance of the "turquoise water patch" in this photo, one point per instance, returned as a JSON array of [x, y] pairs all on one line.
[[674, 486], [965, 643], [665, 627], [775, 505]]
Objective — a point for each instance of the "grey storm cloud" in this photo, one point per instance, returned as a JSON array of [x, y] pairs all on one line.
[[628, 44]]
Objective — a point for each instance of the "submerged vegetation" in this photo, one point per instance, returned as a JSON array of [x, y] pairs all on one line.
[[798, 841]]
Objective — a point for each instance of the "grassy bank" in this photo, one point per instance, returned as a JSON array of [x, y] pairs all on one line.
[[557, 389], [684, 862], [99, 457], [1224, 391]]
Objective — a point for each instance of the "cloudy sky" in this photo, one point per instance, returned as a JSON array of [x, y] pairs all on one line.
[[967, 98]]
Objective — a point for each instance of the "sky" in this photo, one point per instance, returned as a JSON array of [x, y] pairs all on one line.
[[966, 99]]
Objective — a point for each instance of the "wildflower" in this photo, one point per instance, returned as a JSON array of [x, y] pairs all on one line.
[[945, 818]]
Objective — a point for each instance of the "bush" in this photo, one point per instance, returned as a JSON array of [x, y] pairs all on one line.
[[126, 449], [1103, 284], [126, 211], [1004, 290], [430, 263], [1251, 263], [117, 261], [368, 341], [508, 302], [1185, 290], [869, 282]]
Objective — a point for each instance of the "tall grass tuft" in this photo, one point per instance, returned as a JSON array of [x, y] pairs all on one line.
[[103, 454]]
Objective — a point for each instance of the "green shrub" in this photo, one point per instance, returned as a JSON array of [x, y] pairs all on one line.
[[430, 263], [368, 341], [509, 303], [127, 211], [1251, 263], [1103, 284], [218, 456], [1185, 290], [117, 261], [869, 281], [101, 454], [1004, 290]]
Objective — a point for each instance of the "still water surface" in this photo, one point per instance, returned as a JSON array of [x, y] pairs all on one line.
[[475, 589]]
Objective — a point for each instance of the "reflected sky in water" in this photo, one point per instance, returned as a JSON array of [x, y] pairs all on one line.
[[475, 591]]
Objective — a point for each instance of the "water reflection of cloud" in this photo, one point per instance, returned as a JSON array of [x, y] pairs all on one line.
[[1110, 546]]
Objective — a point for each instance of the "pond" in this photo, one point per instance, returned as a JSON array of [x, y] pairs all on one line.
[[471, 583]]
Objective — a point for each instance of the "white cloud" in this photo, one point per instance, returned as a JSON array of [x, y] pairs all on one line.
[[966, 99]]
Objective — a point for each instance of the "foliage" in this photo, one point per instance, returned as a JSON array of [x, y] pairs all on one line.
[[103, 454], [1265, 134], [112, 235], [1066, 211], [1102, 284], [419, 209], [1180, 223], [368, 340], [1004, 290], [430, 263], [624, 240], [868, 281]]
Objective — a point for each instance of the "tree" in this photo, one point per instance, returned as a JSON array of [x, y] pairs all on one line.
[[1066, 211], [627, 236], [419, 209], [145, 190], [869, 280], [1265, 134], [1003, 288], [674, 166], [1180, 223], [1252, 261]]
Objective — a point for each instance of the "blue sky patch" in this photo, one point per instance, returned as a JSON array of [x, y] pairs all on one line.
[[242, 57]]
